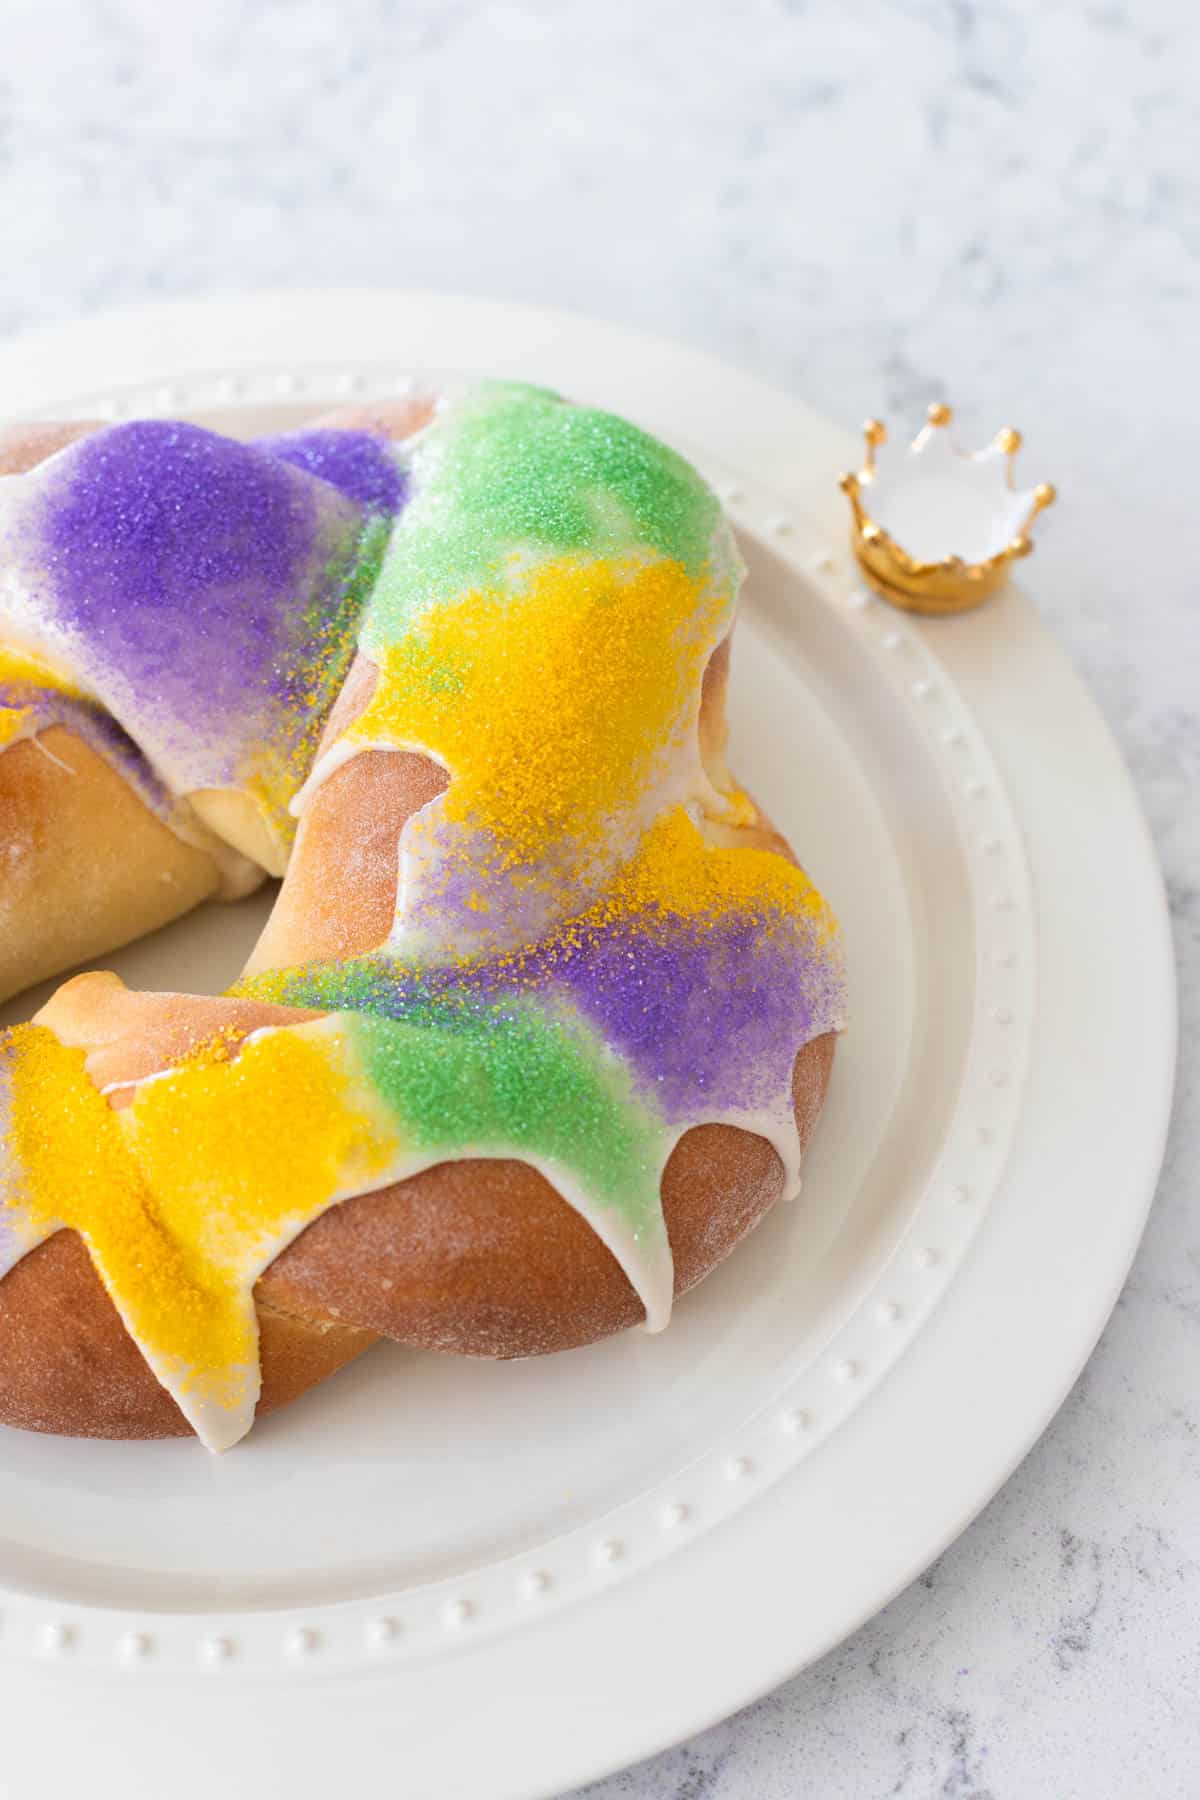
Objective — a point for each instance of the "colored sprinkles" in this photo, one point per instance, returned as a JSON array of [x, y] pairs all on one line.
[[204, 593], [583, 962]]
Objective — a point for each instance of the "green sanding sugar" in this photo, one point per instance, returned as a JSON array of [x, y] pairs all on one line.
[[515, 466], [464, 1076]]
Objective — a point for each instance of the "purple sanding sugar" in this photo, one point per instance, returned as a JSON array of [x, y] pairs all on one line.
[[188, 567], [711, 1017], [359, 464]]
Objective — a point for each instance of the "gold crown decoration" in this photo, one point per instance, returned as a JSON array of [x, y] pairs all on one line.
[[936, 528]]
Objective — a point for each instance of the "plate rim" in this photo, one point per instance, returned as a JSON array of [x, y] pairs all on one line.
[[895, 1294], [771, 430]]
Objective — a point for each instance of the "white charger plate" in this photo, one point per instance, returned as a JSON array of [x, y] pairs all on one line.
[[523, 1575]]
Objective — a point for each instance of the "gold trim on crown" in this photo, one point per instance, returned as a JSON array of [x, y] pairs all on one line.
[[947, 584]]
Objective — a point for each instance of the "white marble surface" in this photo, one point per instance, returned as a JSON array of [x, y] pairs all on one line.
[[873, 204]]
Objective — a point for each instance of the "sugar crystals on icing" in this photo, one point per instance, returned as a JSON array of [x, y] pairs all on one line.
[[580, 969]]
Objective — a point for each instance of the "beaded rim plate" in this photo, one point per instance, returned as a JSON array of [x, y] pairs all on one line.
[[986, 942], [912, 831]]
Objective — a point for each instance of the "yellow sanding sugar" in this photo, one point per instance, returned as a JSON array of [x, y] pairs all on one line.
[[13, 720], [550, 718], [20, 668], [179, 1196], [218, 1047], [234, 1150], [676, 870], [74, 1167]]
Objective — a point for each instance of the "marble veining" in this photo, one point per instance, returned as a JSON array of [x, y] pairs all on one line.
[[871, 203]]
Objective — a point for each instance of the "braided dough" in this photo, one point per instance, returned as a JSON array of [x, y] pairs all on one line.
[[544, 1014]]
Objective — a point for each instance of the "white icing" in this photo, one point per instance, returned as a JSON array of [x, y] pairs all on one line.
[[645, 1258]]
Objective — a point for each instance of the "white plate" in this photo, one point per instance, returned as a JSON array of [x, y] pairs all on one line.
[[590, 1556]]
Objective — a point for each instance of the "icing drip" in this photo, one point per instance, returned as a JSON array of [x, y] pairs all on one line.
[[704, 969], [303, 1117], [534, 822], [204, 593], [541, 625], [585, 960]]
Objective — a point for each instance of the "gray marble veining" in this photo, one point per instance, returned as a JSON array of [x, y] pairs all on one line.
[[872, 204]]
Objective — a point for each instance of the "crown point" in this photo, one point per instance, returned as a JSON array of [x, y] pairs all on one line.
[[919, 512]]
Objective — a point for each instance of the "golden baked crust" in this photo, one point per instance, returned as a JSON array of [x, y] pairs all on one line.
[[479, 1258], [484, 1258], [87, 865], [24, 445], [71, 1368]]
